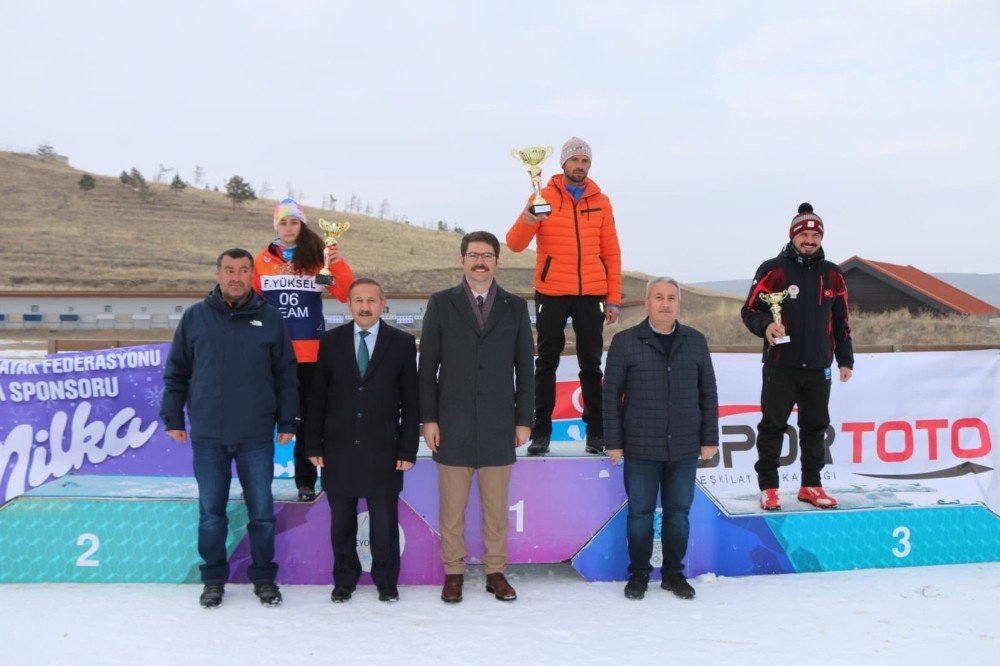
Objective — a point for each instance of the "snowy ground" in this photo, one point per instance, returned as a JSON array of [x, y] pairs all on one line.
[[23, 350], [924, 615]]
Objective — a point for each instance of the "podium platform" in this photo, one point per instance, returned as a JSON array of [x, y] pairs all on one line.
[[102, 529], [802, 538]]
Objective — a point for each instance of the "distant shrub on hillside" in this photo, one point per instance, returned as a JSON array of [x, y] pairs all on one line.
[[178, 185], [86, 182], [135, 179], [45, 150]]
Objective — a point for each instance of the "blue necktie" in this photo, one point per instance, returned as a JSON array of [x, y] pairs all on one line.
[[363, 353]]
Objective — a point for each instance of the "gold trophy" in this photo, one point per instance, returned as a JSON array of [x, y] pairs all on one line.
[[532, 157], [332, 231], [774, 300]]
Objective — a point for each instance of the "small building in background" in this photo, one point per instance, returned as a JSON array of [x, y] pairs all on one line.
[[877, 286]]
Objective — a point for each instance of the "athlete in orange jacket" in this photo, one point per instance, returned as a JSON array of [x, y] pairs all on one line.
[[578, 274]]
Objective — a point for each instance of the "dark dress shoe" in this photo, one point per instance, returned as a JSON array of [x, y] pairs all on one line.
[[497, 585], [388, 593], [211, 596], [341, 593], [678, 584], [452, 591], [539, 446], [307, 494]]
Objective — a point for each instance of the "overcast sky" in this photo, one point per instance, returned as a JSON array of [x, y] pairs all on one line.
[[709, 121]]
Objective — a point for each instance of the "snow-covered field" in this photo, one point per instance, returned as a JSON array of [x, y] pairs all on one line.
[[925, 615], [23, 350]]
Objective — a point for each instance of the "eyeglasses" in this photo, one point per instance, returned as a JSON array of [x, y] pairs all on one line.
[[473, 256]]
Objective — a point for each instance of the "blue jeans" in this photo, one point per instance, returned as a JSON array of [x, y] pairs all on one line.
[[213, 471], [675, 483]]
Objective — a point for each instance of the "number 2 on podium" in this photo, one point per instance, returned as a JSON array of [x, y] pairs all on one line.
[[94, 543]]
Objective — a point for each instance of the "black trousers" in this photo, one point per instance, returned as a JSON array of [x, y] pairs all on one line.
[[552, 313], [383, 536], [782, 389], [305, 471]]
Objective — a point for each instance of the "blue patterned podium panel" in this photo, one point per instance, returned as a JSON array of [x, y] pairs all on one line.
[[144, 529], [94, 529], [876, 538], [806, 540], [104, 540]]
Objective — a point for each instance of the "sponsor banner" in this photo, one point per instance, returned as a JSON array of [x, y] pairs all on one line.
[[908, 429], [87, 412]]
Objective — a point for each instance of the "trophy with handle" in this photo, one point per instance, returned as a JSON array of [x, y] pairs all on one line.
[[532, 157], [774, 300], [332, 231]]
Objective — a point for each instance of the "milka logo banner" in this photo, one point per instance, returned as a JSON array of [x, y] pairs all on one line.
[[75, 412]]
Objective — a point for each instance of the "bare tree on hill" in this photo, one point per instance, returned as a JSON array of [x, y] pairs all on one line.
[[161, 171], [199, 175]]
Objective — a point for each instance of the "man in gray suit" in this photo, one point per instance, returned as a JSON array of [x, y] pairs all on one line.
[[477, 405]]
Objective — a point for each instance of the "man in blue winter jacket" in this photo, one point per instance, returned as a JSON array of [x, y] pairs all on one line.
[[661, 414], [232, 363]]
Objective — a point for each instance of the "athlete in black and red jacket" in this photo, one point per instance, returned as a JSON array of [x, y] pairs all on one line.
[[814, 314]]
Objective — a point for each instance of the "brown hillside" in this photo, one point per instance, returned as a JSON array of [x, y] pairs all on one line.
[[114, 238], [57, 237]]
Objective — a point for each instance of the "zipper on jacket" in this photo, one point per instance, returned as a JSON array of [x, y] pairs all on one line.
[[579, 251], [545, 268]]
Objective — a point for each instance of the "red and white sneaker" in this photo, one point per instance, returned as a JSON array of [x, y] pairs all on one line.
[[816, 496], [769, 500]]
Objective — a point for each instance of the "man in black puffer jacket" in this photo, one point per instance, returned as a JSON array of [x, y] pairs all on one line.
[[661, 415], [814, 315], [231, 362]]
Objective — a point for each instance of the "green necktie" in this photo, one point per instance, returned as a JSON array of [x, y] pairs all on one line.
[[363, 353]]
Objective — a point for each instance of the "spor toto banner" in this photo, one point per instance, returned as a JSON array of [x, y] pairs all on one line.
[[908, 428]]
